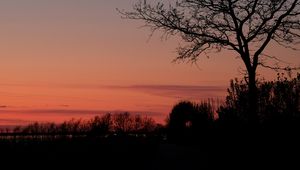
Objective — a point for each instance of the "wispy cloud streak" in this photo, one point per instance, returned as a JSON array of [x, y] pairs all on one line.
[[178, 91]]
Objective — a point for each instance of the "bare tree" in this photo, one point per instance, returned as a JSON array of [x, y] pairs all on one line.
[[101, 125], [244, 26], [122, 122]]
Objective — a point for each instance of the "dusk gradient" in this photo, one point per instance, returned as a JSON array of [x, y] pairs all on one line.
[[63, 59]]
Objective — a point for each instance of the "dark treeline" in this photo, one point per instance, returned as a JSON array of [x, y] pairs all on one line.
[[118, 124], [112, 140], [195, 135], [278, 109]]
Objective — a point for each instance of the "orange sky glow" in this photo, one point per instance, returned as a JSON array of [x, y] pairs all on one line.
[[64, 59]]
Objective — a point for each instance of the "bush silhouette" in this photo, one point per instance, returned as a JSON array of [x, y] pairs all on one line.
[[278, 103], [189, 120]]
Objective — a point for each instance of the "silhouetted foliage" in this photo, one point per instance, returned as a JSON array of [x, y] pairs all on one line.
[[33, 128], [278, 103], [190, 120], [72, 126], [127, 123], [101, 125], [119, 123], [17, 129], [123, 122], [143, 124]]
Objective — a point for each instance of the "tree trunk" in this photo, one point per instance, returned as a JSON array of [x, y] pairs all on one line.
[[253, 98]]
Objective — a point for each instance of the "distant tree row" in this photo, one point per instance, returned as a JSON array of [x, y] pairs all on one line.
[[120, 123], [278, 109]]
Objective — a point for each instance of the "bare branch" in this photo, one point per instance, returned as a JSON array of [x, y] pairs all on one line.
[[272, 31], [279, 68], [244, 26]]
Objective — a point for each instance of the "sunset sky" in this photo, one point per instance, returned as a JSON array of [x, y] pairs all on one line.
[[77, 58]]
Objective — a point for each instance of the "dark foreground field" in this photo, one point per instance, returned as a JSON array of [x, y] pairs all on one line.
[[152, 153]]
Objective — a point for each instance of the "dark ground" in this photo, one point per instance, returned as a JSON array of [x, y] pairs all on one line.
[[226, 152]]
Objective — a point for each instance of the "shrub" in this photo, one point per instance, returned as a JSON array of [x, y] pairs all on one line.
[[189, 120], [278, 102]]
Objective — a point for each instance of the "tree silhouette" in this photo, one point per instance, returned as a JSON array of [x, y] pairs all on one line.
[[101, 125], [188, 120], [127, 123], [179, 121], [122, 122], [244, 26], [142, 124]]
